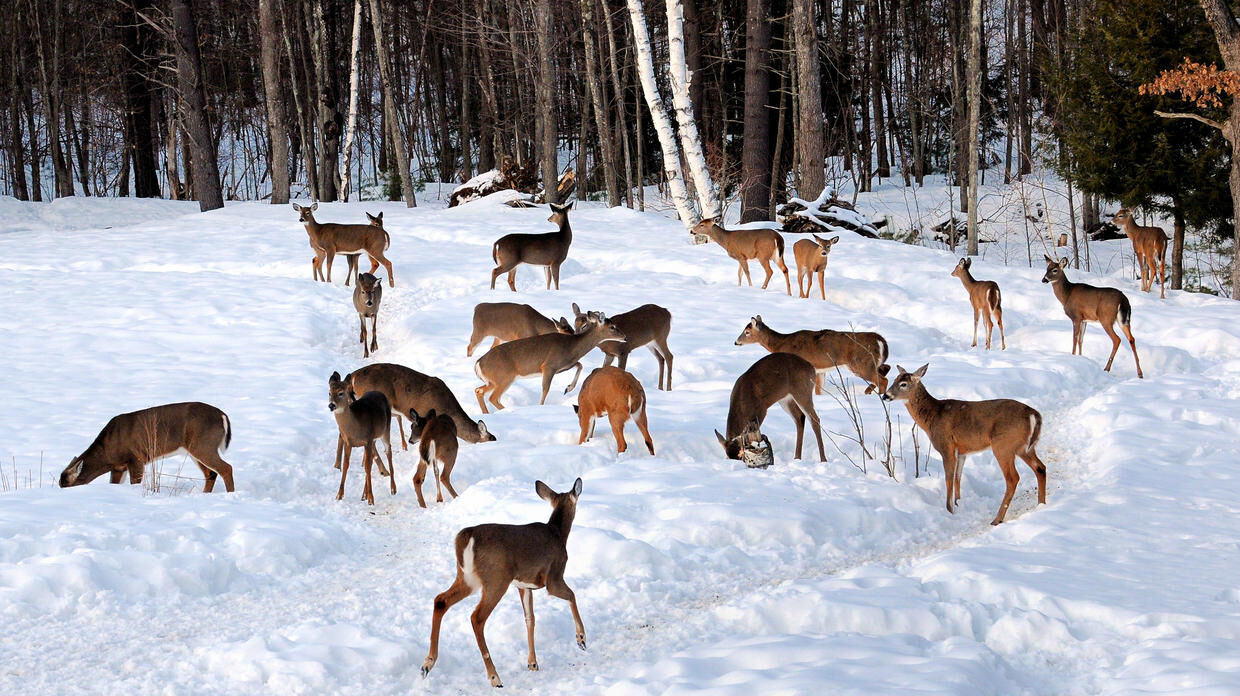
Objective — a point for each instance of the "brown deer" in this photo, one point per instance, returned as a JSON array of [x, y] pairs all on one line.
[[1008, 428], [407, 389], [548, 355], [131, 440], [436, 437], [361, 421], [617, 393], [986, 300], [366, 298], [864, 353], [333, 238], [778, 378], [548, 250], [743, 245], [811, 258], [491, 557], [647, 325], [1083, 303], [319, 255], [1150, 246], [508, 321]]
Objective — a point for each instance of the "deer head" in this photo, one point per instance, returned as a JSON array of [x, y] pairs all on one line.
[[340, 394], [306, 212], [962, 267], [824, 245], [751, 447], [559, 214], [1054, 269], [751, 332], [905, 383], [376, 220]]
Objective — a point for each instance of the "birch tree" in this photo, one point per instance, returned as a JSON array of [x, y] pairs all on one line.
[[975, 113], [689, 138], [663, 126], [350, 128]]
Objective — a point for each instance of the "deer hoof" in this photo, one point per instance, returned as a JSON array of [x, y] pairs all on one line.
[[426, 666], [581, 641], [496, 682], [533, 666]]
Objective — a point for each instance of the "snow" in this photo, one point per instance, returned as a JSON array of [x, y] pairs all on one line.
[[693, 574]]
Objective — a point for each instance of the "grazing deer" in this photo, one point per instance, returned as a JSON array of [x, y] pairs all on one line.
[[778, 378], [491, 557], [436, 437], [1150, 246], [366, 298], [864, 353], [986, 300], [1008, 428], [407, 389], [361, 421], [617, 393], [508, 321], [647, 325], [811, 258], [744, 245], [548, 250], [1083, 303], [131, 440], [548, 355], [334, 238]]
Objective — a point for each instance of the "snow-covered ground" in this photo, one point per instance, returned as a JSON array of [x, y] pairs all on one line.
[[693, 574]]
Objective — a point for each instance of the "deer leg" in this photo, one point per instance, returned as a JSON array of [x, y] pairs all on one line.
[[766, 266], [1114, 344], [331, 256], [779, 261], [1162, 273], [497, 390], [137, 470], [339, 449], [444, 601], [446, 475], [999, 320], [821, 283], [1132, 343], [479, 622], [369, 454], [801, 281], [527, 606], [400, 429], [374, 332], [622, 358], [344, 471], [745, 267], [512, 280], [798, 419], [571, 385], [117, 476], [387, 266], [975, 310], [435, 471], [556, 587], [547, 271], [640, 419], [213, 465], [585, 420], [478, 392], [352, 259], [660, 359], [617, 429], [948, 454], [387, 445], [555, 273], [960, 459], [990, 327], [419, 477], [1039, 470], [1007, 462]]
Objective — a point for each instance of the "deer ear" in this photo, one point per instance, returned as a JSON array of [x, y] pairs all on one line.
[[576, 309], [544, 491], [335, 377], [315, 206], [833, 240], [758, 318], [722, 440], [577, 488], [430, 415], [901, 369], [566, 209], [1049, 260], [413, 416], [968, 262], [379, 217], [1063, 263], [921, 371], [482, 429]]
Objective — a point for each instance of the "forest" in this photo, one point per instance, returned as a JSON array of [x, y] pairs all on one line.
[[1130, 101]]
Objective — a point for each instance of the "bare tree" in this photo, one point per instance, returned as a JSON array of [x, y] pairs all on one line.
[[201, 145], [269, 36]]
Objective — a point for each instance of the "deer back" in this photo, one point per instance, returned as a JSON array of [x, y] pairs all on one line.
[[539, 249], [611, 390], [1084, 302], [143, 436], [440, 431], [746, 244], [497, 554], [509, 321], [765, 383], [640, 326], [407, 389]]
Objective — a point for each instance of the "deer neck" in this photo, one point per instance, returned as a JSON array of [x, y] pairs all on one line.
[[562, 519], [312, 229], [584, 343], [1063, 288], [967, 279], [566, 231], [923, 407], [771, 339]]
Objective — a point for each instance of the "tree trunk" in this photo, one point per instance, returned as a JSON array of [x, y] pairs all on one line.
[[350, 127], [755, 144], [17, 152], [621, 109], [49, 73], [809, 140], [137, 52], [546, 112], [689, 138], [663, 126], [602, 120], [1177, 245], [975, 113], [389, 107], [269, 37], [194, 115]]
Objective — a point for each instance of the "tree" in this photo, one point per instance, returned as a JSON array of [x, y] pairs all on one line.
[[202, 156], [277, 130], [809, 91], [756, 146], [546, 111], [689, 137], [975, 114], [390, 116]]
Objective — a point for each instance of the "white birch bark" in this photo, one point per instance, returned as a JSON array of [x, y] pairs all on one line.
[[663, 125], [689, 138], [975, 110], [350, 129]]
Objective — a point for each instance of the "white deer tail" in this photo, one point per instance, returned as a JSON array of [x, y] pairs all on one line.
[[227, 440]]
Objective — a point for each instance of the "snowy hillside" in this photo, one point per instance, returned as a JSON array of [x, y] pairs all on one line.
[[692, 573]]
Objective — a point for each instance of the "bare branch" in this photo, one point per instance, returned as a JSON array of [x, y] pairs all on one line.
[[1195, 117]]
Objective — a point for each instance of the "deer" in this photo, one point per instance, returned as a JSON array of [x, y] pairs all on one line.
[[366, 298], [548, 355], [1008, 428], [617, 393], [864, 353], [508, 321], [743, 245], [333, 238], [647, 325], [492, 557], [407, 389], [1084, 303], [435, 434], [361, 420], [811, 258], [779, 378], [986, 300], [317, 261], [1150, 245], [130, 441], [548, 250]]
